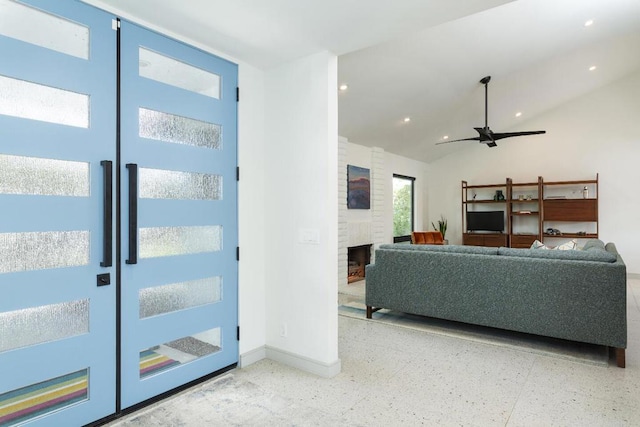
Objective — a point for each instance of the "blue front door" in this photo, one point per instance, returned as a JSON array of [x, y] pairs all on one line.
[[57, 276], [178, 169], [118, 232]]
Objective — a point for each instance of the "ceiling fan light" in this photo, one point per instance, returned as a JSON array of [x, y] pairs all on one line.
[[518, 114], [592, 68], [445, 137], [407, 119]]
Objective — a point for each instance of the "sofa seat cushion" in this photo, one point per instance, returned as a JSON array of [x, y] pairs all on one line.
[[573, 255]]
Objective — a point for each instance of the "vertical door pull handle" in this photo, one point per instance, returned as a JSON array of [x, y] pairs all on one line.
[[133, 213], [107, 213]]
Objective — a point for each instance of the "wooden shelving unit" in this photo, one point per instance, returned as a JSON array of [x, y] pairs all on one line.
[[486, 201], [523, 210], [574, 211], [533, 207]]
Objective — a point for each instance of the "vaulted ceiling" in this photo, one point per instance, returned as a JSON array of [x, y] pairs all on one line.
[[422, 59]]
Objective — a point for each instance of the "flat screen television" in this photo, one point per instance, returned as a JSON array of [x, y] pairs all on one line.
[[485, 221]]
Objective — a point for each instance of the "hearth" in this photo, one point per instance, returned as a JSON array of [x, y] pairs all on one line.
[[358, 258]]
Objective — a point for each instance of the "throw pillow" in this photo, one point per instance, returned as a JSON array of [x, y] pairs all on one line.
[[571, 244], [539, 245]]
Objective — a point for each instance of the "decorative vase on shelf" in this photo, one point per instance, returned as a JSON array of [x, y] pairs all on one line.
[[585, 192], [499, 196]]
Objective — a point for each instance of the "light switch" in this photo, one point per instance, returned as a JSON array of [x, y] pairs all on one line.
[[309, 236]]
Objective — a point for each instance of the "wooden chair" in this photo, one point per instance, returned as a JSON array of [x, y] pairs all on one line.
[[427, 238]]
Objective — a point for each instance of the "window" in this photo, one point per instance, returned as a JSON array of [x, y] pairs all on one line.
[[402, 208]]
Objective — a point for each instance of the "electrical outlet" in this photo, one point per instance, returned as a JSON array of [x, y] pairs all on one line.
[[283, 330]]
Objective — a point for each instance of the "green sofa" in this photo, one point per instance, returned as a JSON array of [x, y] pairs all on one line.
[[577, 295]]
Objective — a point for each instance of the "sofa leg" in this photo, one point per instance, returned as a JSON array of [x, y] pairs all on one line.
[[371, 310], [620, 357]]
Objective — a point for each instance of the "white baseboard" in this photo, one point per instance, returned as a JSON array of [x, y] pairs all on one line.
[[251, 357], [325, 370]]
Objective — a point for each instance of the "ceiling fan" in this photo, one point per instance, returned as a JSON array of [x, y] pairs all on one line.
[[485, 134]]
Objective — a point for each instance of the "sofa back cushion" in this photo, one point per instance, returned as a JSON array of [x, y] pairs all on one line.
[[574, 255], [594, 244], [481, 250]]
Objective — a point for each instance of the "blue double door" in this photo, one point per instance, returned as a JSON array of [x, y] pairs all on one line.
[[118, 224]]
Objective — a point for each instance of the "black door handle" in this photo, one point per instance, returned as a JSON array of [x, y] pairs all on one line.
[[133, 213], [107, 213]]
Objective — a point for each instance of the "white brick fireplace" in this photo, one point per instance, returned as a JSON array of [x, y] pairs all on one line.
[[357, 227]]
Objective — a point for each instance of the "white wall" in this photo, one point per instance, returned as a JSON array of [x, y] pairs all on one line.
[[300, 190], [597, 133], [251, 199], [362, 156]]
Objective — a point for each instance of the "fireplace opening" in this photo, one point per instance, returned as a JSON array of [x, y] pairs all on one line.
[[358, 258]]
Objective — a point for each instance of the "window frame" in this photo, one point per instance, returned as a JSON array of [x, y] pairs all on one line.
[[406, 238]]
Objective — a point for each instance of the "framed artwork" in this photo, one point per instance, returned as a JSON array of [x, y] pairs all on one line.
[[358, 188]]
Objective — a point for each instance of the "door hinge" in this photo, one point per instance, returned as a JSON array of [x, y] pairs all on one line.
[[238, 333], [237, 173], [237, 94], [237, 253], [115, 24]]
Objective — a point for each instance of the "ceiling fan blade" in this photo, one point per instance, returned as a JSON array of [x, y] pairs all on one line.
[[502, 135], [477, 138]]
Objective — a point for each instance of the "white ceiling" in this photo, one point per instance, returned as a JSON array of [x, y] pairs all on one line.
[[537, 51], [422, 58]]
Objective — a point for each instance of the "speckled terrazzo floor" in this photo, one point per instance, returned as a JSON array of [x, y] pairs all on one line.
[[400, 376]]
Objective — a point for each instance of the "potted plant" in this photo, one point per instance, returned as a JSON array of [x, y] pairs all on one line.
[[442, 227]]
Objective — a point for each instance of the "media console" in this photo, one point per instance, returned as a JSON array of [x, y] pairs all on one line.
[[485, 239]]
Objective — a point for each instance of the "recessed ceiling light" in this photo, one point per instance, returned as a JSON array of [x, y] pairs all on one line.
[[593, 67], [343, 87], [407, 119], [588, 23], [518, 114], [445, 137]]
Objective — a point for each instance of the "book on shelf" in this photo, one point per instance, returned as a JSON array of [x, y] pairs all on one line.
[[556, 197]]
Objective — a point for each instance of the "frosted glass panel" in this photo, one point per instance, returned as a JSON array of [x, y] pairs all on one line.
[[40, 250], [19, 98], [179, 130], [30, 175], [167, 70], [37, 325], [40, 28], [179, 296], [169, 241], [35, 400], [164, 184], [159, 358]]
